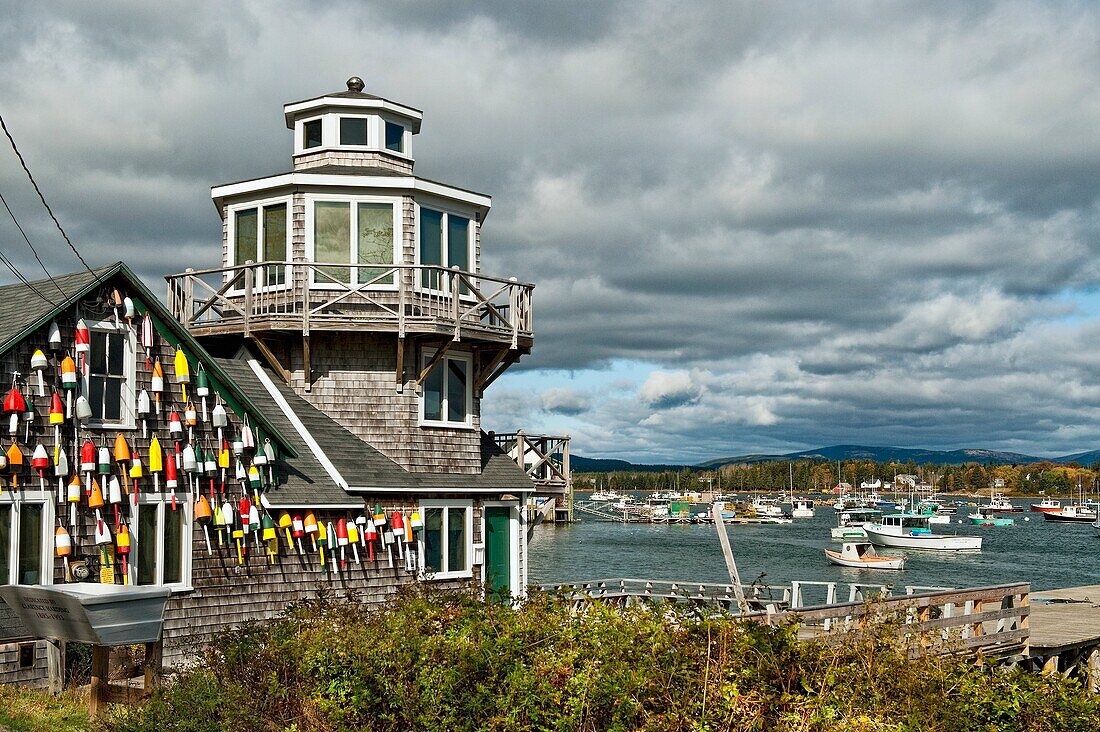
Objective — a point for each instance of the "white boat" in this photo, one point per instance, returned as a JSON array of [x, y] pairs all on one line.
[[850, 523], [1072, 514], [1047, 505], [999, 504], [910, 531], [802, 508], [605, 496], [862, 555], [767, 507]]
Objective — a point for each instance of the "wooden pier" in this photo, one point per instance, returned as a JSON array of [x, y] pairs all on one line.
[[1065, 632]]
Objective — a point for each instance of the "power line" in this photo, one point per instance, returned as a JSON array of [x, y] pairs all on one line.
[[24, 280], [33, 250], [38, 190]]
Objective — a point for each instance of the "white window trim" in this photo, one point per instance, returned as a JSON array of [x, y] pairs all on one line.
[[517, 550], [468, 424], [406, 151], [471, 241], [445, 504], [300, 135], [46, 549], [311, 200], [231, 239], [129, 390], [162, 504], [372, 132]]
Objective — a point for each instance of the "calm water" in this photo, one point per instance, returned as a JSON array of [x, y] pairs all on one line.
[[1046, 554]]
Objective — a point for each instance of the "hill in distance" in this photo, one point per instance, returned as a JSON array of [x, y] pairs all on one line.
[[846, 452]]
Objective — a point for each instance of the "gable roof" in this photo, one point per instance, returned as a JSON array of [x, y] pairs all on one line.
[[362, 467], [22, 312]]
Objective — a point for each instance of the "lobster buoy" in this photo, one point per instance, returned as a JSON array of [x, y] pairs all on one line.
[[297, 530], [39, 364], [183, 372], [122, 548], [63, 547], [311, 527], [143, 410], [156, 383], [202, 518]]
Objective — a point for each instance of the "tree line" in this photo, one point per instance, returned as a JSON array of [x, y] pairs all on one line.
[[813, 476]]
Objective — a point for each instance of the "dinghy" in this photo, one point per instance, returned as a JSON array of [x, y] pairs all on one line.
[[861, 555]]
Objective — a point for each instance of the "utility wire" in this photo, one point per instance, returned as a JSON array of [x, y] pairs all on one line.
[[15, 271], [38, 190], [33, 250]]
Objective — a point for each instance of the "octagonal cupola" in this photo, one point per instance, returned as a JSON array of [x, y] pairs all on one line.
[[352, 128]]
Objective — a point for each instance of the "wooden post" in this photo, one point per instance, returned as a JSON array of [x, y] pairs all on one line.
[[456, 305], [249, 275], [727, 552], [153, 658], [401, 361], [97, 695], [55, 665], [307, 363]]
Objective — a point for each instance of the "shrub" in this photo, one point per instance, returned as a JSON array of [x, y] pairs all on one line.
[[451, 661]]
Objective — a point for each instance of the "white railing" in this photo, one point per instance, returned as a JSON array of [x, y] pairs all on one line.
[[319, 295]]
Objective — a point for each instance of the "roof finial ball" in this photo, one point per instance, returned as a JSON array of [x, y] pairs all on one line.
[[355, 84]]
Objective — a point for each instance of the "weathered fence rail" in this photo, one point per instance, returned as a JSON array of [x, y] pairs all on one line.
[[992, 621]]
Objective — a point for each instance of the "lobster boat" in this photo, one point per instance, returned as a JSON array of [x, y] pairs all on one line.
[[862, 555]]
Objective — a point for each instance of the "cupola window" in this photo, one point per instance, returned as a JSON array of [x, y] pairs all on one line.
[[395, 137], [353, 131], [311, 134]]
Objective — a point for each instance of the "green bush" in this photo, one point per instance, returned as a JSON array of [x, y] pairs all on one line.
[[431, 661]]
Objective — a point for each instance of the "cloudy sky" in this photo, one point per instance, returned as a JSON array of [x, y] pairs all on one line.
[[757, 227]]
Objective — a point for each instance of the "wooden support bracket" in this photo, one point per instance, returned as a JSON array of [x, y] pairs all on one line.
[[513, 356], [268, 356], [486, 371], [431, 364]]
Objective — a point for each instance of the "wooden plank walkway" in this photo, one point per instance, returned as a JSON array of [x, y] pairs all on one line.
[[1065, 619]]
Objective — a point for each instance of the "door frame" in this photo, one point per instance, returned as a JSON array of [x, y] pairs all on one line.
[[517, 570]]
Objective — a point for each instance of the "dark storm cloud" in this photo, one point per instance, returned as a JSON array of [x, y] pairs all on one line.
[[820, 222]]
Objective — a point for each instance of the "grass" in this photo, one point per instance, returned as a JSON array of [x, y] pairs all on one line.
[[25, 710]]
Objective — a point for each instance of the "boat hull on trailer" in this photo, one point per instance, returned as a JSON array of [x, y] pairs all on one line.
[[921, 540]]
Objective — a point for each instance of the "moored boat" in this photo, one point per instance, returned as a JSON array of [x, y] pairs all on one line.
[[862, 555], [802, 508], [910, 531], [1071, 514], [984, 516], [850, 523], [1047, 505]]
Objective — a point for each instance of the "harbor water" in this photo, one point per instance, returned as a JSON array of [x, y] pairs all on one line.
[[1048, 555]]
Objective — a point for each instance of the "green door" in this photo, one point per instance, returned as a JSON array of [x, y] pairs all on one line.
[[498, 549]]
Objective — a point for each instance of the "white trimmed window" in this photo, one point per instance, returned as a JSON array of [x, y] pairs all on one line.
[[160, 551], [25, 544], [258, 233], [446, 542], [109, 381], [445, 239], [447, 397], [361, 230]]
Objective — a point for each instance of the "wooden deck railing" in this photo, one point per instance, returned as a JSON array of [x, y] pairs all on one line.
[[307, 296], [988, 620], [545, 459]]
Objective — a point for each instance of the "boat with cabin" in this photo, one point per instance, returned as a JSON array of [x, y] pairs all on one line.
[[802, 508], [850, 523], [1072, 514], [862, 555], [1047, 505], [985, 516], [999, 504], [913, 531]]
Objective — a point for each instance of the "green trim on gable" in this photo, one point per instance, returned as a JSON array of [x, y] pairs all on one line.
[[166, 326]]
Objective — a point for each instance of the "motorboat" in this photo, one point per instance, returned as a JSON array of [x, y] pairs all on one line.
[[1072, 514], [766, 507], [862, 555], [912, 531], [850, 521], [1000, 504], [602, 496], [802, 508], [984, 516], [1047, 505]]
